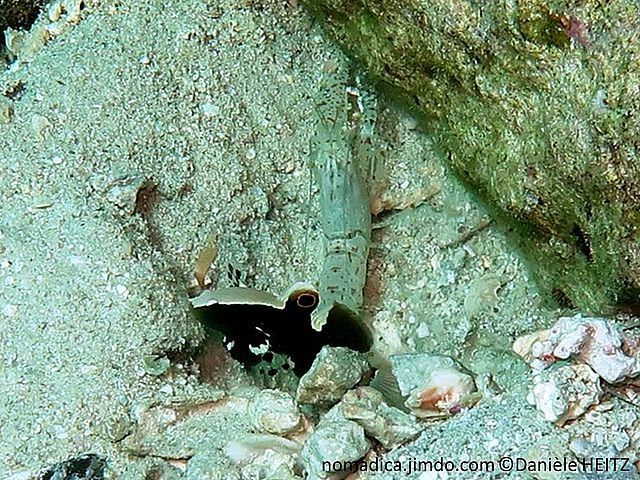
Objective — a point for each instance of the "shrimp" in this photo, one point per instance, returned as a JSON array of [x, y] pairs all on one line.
[[345, 216]]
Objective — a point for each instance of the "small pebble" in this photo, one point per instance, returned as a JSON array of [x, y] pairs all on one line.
[[273, 411], [334, 441]]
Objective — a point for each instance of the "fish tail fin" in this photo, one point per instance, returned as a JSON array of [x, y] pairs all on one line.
[[385, 382]]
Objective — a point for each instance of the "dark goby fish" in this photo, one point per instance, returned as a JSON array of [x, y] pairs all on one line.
[[252, 323]]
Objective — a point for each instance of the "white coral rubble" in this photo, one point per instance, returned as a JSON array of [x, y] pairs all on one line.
[[593, 341], [566, 393], [598, 351]]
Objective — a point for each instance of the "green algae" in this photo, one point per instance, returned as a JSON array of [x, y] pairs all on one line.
[[533, 107]]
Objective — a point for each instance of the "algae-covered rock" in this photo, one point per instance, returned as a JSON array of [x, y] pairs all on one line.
[[535, 105], [19, 13]]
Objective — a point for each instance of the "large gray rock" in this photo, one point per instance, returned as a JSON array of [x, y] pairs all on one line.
[[534, 105]]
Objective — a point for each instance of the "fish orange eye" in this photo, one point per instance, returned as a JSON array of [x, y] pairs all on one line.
[[307, 300]]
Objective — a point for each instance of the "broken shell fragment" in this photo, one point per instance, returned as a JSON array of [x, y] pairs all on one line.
[[236, 296], [436, 385], [271, 465], [523, 345], [245, 450], [303, 294], [446, 393], [123, 191], [156, 365], [206, 257]]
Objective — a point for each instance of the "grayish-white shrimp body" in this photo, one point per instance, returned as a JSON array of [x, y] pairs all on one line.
[[345, 216], [342, 151]]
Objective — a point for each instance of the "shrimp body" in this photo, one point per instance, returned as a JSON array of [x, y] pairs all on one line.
[[345, 217]]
